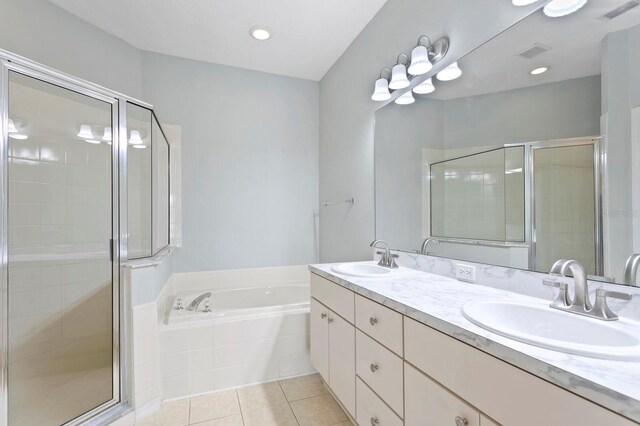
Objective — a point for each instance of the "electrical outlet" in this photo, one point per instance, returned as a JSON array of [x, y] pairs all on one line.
[[466, 272]]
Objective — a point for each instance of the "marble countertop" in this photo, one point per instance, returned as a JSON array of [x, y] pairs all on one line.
[[436, 301]]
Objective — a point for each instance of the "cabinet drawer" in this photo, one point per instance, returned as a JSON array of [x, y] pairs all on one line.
[[487, 382], [381, 369], [428, 404], [371, 409], [338, 299], [380, 322]]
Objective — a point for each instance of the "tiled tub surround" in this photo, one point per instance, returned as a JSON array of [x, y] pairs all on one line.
[[233, 347], [436, 301]]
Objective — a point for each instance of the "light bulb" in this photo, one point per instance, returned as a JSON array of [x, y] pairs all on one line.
[[381, 92], [399, 78], [558, 8], [420, 63], [425, 87], [450, 73], [135, 138], [406, 98], [12, 127], [85, 132], [107, 136]]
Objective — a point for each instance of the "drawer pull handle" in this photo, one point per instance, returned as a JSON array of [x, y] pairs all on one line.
[[461, 421], [374, 421], [323, 315], [373, 321], [330, 320], [373, 367]]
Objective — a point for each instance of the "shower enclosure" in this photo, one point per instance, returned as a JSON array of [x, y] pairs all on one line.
[[69, 196]]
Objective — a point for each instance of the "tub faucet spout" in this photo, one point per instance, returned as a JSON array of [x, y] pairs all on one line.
[[193, 306]]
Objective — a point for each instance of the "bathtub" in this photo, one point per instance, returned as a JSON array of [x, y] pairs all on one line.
[[235, 304], [252, 334]]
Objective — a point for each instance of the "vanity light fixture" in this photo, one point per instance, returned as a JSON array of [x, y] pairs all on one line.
[[451, 72], [558, 8], [13, 132], [406, 98], [140, 146], [381, 92], [135, 138], [12, 126], [92, 141], [85, 132], [107, 136], [260, 33], [540, 70], [420, 63], [425, 87], [399, 78]]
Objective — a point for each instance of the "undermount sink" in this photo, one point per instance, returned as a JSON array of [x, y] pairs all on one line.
[[365, 270], [538, 324]]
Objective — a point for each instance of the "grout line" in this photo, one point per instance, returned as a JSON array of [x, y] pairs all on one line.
[[240, 406], [288, 403]]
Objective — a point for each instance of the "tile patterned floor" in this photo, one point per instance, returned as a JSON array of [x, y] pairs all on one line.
[[301, 401]]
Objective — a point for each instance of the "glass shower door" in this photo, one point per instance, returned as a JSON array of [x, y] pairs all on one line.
[[60, 282], [565, 206]]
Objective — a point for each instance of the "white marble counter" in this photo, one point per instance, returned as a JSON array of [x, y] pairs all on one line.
[[436, 301]]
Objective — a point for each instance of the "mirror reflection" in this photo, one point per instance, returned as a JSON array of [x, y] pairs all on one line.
[[528, 156]]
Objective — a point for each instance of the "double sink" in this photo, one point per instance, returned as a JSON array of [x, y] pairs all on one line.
[[536, 323]]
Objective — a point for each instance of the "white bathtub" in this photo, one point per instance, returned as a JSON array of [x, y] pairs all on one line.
[[254, 333], [235, 304]]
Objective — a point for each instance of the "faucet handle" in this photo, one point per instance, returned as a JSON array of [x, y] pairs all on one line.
[[601, 308], [563, 300]]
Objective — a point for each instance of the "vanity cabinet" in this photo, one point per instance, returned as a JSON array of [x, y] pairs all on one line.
[[390, 370], [333, 339]]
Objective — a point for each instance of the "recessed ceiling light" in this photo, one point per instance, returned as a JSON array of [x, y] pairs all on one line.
[[558, 8], [523, 2], [539, 70], [260, 33]]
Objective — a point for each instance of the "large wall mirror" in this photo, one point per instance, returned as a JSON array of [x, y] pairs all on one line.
[[530, 156]]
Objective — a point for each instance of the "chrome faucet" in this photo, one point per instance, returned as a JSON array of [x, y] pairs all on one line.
[[581, 303], [425, 244], [387, 259], [193, 306], [631, 270]]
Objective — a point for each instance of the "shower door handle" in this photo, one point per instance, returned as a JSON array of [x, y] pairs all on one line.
[[111, 249]]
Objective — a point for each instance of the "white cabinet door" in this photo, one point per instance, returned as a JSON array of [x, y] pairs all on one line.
[[342, 361], [485, 421], [428, 404], [319, 328]]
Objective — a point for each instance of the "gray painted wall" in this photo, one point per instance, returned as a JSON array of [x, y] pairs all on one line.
[[249, 162], [45, 33], [565, 109], [347, 112], [401, 133]]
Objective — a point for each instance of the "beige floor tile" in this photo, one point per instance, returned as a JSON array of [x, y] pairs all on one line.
[[225, 421], [318, 411], [303, 387], [174, 413], [214, 406], [261, 396], [273, 415], [347, 423]]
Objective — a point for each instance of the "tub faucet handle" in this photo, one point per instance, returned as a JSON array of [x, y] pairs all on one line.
[[179, 305], [207, 305]]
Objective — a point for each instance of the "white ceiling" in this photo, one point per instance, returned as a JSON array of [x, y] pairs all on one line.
[[575, 51], [308, 36]]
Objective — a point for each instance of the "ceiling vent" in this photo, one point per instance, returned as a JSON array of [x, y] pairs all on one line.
[[534, 51], [620, 10]]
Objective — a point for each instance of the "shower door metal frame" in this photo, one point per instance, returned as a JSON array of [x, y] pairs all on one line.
[[10, 62], [530, 201]]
